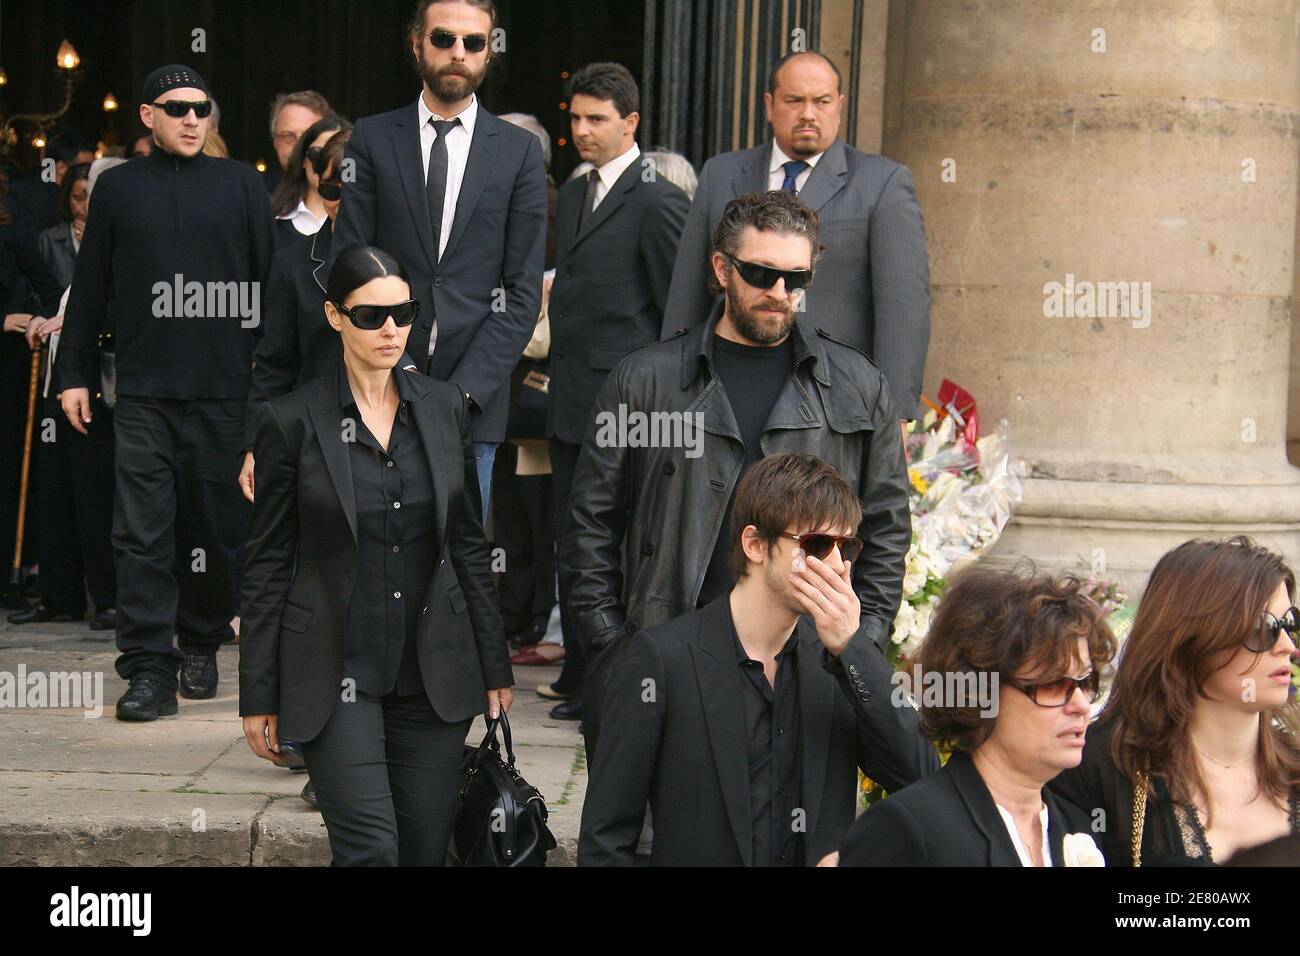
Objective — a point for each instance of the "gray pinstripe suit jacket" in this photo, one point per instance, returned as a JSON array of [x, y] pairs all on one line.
[[872, 285]]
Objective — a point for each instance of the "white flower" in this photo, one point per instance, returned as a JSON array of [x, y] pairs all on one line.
[[1079, 849], [921, 626], [903, 623]]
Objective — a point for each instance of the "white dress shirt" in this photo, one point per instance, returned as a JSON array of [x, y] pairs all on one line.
[[458, 142], [608, 174], [776, 170], [1022, 851], [304, 220]]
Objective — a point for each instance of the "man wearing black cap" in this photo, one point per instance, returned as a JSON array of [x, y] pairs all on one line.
[[176, 248]]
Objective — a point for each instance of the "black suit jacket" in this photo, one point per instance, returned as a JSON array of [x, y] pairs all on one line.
[[301, 563], [950, 819], [611, 286], [486, 291], [673, 732]]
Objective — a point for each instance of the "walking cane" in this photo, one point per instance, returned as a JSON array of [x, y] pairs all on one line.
[[16, 574]]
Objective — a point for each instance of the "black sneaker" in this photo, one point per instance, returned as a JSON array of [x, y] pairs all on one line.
[[146, 699], [199, 676]]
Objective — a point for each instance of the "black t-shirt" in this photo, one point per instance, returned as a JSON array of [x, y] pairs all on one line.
[[752, 377]]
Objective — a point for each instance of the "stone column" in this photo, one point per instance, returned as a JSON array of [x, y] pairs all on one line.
[[1082, 142]]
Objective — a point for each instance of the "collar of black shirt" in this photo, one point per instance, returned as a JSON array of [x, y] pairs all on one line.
[[742, 656], [405, 393]]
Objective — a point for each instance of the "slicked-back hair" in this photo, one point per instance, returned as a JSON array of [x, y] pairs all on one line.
[[308, 98], [789, 491], [771, 211], [1015, 623], [772, 76], [356, 266], [607, 81]]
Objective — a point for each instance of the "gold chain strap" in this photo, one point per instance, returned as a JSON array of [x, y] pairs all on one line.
[[1142, 786]]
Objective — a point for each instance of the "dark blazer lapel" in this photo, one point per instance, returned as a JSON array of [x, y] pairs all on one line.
[[816, 705], [568, 214], [482, 152], [410, 165], [1057, 827], [983, 811], [718, 675], [428, 423], [324, 419], [612, 201], [320, 252], [827, 177]]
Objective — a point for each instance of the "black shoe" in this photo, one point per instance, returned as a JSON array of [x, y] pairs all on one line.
[[105, 620], [291, 751], [146, 699], [199, 676], [39, 613], [569, 710], [309, 794]]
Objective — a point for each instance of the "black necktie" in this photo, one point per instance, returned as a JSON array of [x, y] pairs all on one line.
[[435, 186], [589, 200]]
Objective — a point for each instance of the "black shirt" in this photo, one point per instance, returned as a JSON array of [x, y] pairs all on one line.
[[204, 219], [397, 547], [772, 734], [752, 377]]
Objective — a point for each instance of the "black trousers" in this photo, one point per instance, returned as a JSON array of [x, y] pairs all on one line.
[[564, 461], [178, 525], [523, 525], [387, 771], [75, 494]]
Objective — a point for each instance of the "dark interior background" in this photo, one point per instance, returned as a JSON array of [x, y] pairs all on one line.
[[352, 51]]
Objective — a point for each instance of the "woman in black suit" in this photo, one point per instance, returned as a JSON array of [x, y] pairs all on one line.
[[1008, 671], [370, 629], [1198, 726]]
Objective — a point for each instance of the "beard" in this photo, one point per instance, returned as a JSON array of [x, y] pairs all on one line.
[[453, 82], [759, 329]]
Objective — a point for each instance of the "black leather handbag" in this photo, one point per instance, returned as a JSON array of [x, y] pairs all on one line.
[[501, 820]]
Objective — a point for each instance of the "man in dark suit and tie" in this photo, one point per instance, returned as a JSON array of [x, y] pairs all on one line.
[[459, 197], [873, 284], [618, 229]]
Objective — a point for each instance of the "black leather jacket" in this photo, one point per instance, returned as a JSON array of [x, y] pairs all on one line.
[[643, 521]]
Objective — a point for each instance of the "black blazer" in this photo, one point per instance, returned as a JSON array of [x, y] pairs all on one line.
[[950, 819], [301, 562], [486, 291], [297, 343], [685, 750], [55, 245], [611, 285]]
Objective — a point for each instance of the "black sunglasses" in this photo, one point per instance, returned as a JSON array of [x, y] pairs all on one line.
[[818, 545], [372, 317], [1056, 693], [1262, 639], [312, 153], [474, 42], [764, 277], [178, 108], [331, 190]]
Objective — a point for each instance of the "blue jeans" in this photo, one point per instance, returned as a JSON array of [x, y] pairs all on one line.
[[485, 453]]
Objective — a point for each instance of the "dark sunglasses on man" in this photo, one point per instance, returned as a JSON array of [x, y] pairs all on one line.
[[1262, 639], [373, 317], [177, 109], [818, 545], [474, 42], [764, 277]]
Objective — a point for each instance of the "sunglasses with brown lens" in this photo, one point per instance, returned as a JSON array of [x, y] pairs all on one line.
[[1055, 693]]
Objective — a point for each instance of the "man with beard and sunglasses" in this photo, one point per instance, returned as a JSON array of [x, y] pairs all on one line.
[[176, 250], [646, 541], [873, 286], [743, 724], [459, 197]]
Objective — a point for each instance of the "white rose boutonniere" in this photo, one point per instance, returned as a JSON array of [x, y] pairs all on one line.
[[1079, 849]]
